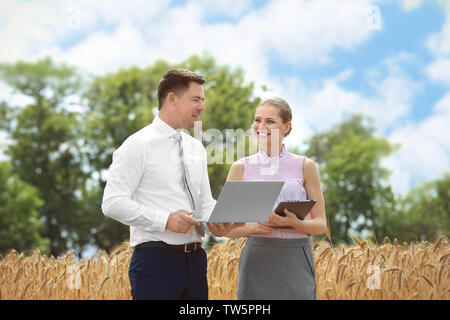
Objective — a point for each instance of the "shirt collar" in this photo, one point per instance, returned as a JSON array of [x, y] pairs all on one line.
[[163, 127], [283, 153]]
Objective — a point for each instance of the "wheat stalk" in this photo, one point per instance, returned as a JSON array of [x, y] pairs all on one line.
[[407, 271]]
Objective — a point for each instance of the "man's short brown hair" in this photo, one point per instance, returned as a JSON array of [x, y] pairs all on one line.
[[176, 81]]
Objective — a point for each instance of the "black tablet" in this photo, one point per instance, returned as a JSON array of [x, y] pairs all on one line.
[[299, 207]]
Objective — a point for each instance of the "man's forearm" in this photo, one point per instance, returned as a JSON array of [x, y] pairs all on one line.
[[132, 213]]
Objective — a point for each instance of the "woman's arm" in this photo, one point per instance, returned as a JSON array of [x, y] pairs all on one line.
[[243, 231], [317, 225], [236, 172]]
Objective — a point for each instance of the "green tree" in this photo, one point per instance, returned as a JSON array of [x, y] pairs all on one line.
[[45, 149], [19, 218], [424, 213], [4, 116], [357, 195]]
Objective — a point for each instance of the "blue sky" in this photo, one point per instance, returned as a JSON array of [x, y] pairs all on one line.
[[401, 32], [323, 56]]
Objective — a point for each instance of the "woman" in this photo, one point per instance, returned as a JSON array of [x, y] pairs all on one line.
[[278, 263]]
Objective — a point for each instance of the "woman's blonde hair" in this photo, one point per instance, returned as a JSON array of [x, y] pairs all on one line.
[[283, 107]]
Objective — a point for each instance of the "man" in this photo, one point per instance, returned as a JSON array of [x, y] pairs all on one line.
[[158, 185]]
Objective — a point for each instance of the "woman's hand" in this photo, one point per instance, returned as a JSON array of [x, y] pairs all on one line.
[[261, 228], [289, 220], [221, 229]]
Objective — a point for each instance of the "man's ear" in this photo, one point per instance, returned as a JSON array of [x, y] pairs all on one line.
[[171, 98]]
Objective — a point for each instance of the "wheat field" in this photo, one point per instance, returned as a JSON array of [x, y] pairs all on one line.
[[364, 270]]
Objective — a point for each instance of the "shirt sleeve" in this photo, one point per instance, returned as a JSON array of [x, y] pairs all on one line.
[[124, 176]]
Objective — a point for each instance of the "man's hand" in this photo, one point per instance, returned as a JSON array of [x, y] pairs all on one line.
[[181, 221], [221, 229]]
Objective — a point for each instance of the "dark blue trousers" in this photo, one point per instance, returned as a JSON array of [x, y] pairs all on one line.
[[160, 273]]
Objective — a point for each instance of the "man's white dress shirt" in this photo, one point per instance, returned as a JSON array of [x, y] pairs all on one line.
[[144, 184]]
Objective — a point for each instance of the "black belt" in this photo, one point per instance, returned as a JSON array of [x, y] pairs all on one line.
[[188, 247]]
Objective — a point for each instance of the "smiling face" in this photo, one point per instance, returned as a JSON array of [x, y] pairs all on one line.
[[269, 128], [188, 106]]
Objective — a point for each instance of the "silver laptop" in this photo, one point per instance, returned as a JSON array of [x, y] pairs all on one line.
[[245, 201]]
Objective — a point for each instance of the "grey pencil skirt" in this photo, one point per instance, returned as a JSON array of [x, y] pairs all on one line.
[[278, 269]]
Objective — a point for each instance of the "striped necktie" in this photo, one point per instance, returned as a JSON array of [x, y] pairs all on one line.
[[187, 184]]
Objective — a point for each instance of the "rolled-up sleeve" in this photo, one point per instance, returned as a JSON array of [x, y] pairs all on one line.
[[124, 176]]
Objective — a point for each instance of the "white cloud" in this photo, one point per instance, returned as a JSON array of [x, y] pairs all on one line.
[[224, 8], [302, 32], [443, 106], [408, 5], [439, 70], [107, 11], [388, 103], [439, 45], [26, 26], [425, 150], [102, 52], [31, 28], [296, 32], [329, 104]]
